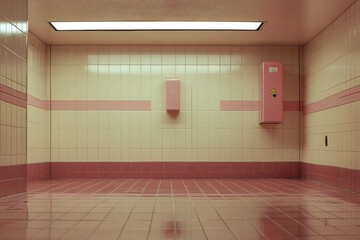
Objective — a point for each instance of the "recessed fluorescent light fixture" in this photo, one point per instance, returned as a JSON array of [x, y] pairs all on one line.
[[156, 26]]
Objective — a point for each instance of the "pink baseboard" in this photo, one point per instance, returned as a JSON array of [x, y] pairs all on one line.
[[38, 171], [166, 170], [342, 178], [12, 180]]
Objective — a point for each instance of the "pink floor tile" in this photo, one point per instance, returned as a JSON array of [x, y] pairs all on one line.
[[180, 209]]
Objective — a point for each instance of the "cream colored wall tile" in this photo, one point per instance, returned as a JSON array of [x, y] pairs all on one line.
[[63, 155], [104, 120], [104, 155], [214, 138], [225, 138], [63, 138], [71, 138], [115, 139], [81, 119], [146, 138], [115, 155], [146, 155], [104, 138], [125, 138], [258, 155], [225, 119], [268, 138], [72, 155], [180, 138], [93, 138], [330, 67], [81, 138], [93, 119], [135, 139], [203, 119], [208, 75], [135, 119], [191, 155], [114, 120], [247, 138], [203, 155], [226, 155], [135, 155], [180, 155], [81, 155], [93, 155], [38, 119], [168, 138], [203, 138], [168, 155], [156, 155], [237, 138], [268, 155]]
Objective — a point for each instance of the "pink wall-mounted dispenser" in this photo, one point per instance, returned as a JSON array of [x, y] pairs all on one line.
[[172, 95], [271, 92]]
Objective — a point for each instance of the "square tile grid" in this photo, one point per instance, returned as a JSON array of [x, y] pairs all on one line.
[[180, 209]]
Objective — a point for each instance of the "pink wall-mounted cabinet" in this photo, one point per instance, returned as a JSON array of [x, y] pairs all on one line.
[[271, 92], [172, 95]]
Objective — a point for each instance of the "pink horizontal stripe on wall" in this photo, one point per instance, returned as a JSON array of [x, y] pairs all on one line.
[[36, 102], [100, 105], [12, 96], [12, 92], [239, 105], [89, 105], [255, 105], [341, 98], [293, 106]]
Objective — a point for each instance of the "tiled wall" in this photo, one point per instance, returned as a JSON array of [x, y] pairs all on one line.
[[332, 107], [108, 105], [38, 114], [13, 66]]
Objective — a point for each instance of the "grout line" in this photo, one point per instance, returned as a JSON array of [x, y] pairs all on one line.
[[217, 210], [152, 215], [132, 209], [194, 207]]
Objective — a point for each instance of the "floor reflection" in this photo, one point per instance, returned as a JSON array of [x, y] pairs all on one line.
[[180, 209]]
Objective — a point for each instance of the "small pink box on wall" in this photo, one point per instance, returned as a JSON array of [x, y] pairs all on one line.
[[172, 95], [271, 92]]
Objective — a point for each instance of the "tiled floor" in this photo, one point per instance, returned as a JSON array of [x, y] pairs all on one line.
[[180, 209]]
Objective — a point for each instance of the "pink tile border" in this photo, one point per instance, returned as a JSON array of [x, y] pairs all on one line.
[[293, 106], [12, 96], [38, 171], [165, 170], [341, 98], [36, 102], [239, 105], [342, 178], [89, 105], [12, 180], [234, 105], [100, 105]]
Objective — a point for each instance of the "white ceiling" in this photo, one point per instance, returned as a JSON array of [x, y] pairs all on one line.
[[288, 22]]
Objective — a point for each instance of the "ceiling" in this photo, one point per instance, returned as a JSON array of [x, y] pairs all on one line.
[[287, 22]]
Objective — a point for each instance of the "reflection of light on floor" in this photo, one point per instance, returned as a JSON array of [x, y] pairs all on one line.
[[172, 229]]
